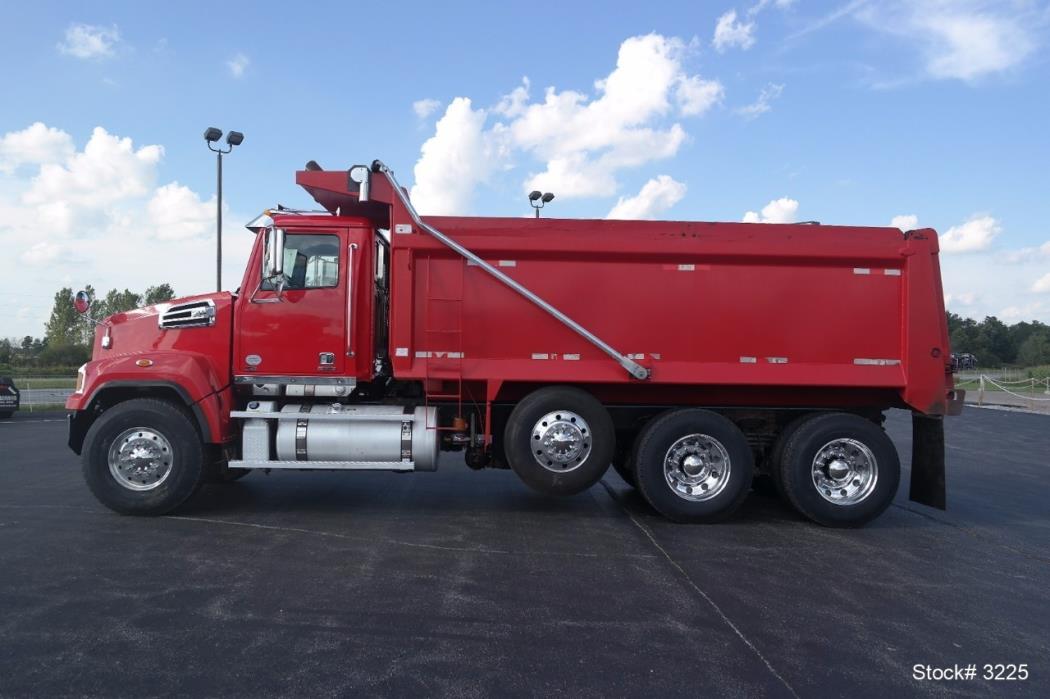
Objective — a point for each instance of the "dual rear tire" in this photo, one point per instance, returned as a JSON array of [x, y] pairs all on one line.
[[837, 469]]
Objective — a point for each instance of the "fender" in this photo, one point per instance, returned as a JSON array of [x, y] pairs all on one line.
[[189, 374]]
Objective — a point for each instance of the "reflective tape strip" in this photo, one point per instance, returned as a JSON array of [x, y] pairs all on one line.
[[749, 360], [686, 268], [436, 354], [777, 360], [861, 270], [540, 355], [892, 272], [570, 357], [655, 355], [401, 352], [636, 356], [508, 263], [864, 361]]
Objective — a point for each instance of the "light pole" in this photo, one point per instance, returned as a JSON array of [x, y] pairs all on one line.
[[233, 138], [543, 199]]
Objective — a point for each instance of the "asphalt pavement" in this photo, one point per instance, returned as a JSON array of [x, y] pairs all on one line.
[[468, 584]]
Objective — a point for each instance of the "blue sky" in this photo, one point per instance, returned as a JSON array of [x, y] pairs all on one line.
[[842, 112]]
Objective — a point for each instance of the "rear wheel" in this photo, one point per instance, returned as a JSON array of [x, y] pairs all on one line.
[[559, 440], [693, 465], [839, 470], [143, 457]]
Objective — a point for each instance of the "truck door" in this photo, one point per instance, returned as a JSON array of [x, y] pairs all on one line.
[[303, 331]]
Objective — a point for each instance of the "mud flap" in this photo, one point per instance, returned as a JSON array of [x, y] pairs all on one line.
[[927, 460]]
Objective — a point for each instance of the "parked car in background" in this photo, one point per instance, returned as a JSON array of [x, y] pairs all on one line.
[[9, 397], [963, 361]]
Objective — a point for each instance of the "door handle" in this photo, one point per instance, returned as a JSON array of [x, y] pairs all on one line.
[[351, 297]]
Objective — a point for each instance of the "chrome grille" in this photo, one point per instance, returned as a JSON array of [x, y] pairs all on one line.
[[194, 314]]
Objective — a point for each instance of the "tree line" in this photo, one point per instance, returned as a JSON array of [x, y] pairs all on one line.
[[67, 334], [996, 344]]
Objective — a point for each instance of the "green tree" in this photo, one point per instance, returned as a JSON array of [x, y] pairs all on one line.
[[158, 294], [118, 302], [7, 351], [1035, 350], [63, 327]]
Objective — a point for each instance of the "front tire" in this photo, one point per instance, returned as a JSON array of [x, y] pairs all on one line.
[[143, 457], [559, 440], [840, 470], [693, 465]]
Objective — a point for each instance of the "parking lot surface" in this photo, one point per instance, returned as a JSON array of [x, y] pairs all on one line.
[[467, 583]]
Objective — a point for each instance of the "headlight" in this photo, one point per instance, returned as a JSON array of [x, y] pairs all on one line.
[[81, 376]]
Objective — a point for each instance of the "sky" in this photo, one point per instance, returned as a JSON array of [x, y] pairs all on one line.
[[926, 113]]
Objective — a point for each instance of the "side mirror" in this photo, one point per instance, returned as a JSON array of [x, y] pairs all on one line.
[[273, 263], [81, 302], [274, 253]]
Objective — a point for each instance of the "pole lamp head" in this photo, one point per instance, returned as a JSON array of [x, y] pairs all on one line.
[[234, 138], [212, 134], [546, 197], [534, 195]]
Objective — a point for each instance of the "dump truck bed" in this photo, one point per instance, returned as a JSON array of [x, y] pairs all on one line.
[[698, 304]]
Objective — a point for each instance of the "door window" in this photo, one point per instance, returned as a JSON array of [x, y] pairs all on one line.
[[311, 261]]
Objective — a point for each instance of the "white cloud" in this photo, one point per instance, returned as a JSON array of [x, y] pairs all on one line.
[[109, 170], [96, 216], [781, 210], [238, 64], [89, 41], [656, 196], [1027, 254], [696, 95], [959, 39], [763, 104], [966, 298], [906, 222], [1042, 284], [731, 32], [41, 253], [1013, 314], [425, 107], [175, 212], [971, 236], [452, 161], [582, 140], [34, 145]]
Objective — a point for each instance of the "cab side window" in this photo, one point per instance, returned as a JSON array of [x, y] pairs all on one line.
[[311, 261]]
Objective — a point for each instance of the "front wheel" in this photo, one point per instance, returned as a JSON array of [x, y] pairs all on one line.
[[839, 470], [693, 465], [143, 457]]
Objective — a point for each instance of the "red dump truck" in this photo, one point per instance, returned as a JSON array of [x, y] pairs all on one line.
[[691, 357]]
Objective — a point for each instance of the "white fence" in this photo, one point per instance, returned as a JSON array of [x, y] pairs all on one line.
[[1035, 392], [37, 392]]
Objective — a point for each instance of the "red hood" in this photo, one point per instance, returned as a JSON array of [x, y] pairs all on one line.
[[139, 331]]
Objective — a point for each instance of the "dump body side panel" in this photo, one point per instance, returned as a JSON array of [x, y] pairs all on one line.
[[699, 304]]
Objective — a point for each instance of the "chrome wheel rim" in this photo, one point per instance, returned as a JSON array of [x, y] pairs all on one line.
[[697, 467], [845, 471], [561, 441], [140, 459]]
